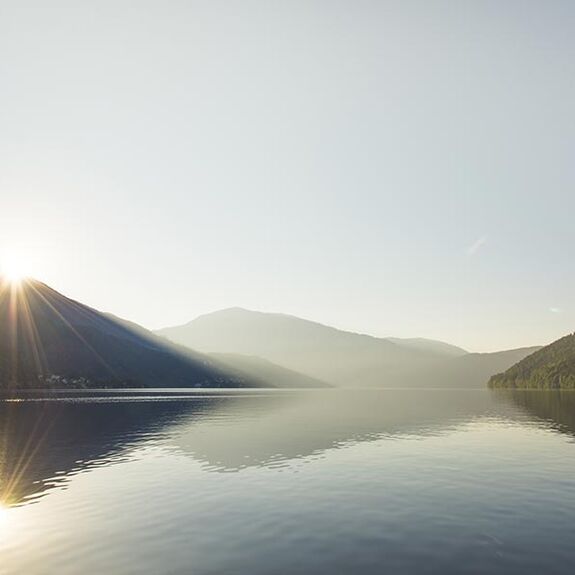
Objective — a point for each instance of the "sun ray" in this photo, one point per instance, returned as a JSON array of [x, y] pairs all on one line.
[[19, 300], [75, 332]]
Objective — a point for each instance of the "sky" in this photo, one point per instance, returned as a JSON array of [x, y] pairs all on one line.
[[400, 168]]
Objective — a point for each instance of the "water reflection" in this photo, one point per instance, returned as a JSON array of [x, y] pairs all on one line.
[[553, 409], [43, 442], [307, 482], [277, 429]]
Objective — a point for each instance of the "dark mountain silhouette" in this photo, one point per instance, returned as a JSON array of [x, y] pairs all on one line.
[[49, 340], [339, 357], [552, 367]]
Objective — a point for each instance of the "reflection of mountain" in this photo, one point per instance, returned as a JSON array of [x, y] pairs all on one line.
[[556, 408], [339, 357], [277, 428], [43, 443]]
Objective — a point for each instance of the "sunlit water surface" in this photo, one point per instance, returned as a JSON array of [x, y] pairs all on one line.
[[258, 482]]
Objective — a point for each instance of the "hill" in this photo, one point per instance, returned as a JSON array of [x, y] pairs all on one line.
[[339, 357], [475, 369], [49, 340], [432, 345], [262, 372], [552, 367], [319, 351]]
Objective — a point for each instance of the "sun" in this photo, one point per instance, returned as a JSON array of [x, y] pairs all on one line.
[[13, 269]]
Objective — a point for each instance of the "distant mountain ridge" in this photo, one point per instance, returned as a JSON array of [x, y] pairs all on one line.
[[338, 357], [475, 369], [49, 340], [432, 345], [319, 351], [551, 367]]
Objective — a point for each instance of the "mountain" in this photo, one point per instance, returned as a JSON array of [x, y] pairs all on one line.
[[263, 372], [552, 367], [49, 340], [319, 351], [339, 357], [432, 345], [474, 369]]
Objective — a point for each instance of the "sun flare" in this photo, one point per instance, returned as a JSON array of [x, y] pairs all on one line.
[[13, 269]]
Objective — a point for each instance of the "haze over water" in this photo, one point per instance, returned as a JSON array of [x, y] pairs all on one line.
[[265, 482]]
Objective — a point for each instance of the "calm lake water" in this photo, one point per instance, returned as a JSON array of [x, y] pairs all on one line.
[[258, 482]]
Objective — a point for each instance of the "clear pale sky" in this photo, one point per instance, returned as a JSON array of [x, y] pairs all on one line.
[[392, 167]]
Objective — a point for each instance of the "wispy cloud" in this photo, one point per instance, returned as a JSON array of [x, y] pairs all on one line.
[[476, 245], [555, 310]]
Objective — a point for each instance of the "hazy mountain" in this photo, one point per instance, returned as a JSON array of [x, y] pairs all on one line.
[[47, 339], [431, 345], [474, 369], [340, 357], [263, 372], [319, 351], [552, 367]]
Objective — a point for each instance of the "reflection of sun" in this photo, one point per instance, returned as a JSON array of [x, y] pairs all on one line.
[[3, 516]]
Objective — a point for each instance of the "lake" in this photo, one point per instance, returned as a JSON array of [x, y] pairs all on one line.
[[281, 482]]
